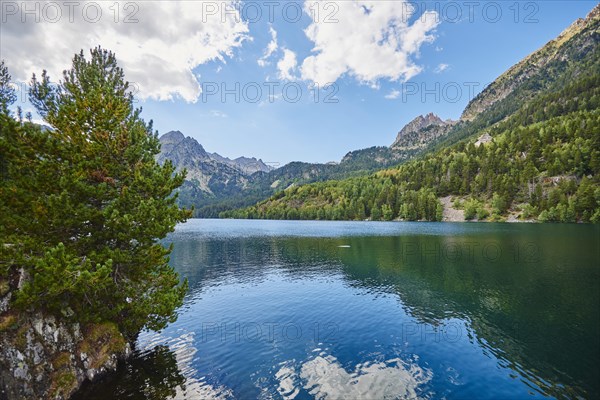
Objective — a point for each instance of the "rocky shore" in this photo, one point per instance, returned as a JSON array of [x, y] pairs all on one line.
[[44, 357]]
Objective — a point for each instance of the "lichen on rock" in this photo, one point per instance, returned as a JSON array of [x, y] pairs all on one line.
[[42, 357]]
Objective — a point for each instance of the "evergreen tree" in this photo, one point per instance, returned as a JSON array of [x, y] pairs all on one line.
[[387, 212], [93, 203], [7, 93]]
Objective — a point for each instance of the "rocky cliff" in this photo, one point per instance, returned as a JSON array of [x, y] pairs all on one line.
[[44, 357]]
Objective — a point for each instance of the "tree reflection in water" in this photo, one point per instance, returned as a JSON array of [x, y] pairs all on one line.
[[151, 375]]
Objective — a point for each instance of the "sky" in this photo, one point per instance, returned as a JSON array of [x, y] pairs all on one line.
[[306, 80]]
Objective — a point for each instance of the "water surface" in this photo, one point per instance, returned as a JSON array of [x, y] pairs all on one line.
[[337, 310]]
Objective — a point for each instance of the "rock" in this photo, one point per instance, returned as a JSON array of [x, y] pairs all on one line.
[[42, 357], [38, 325], [206, 170], [21, 371], [4, 303], [38, 353], [483, 139], [421, 131], [451, 214], [90, 374]]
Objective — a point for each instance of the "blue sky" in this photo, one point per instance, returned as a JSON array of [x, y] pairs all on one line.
[[383, 85]]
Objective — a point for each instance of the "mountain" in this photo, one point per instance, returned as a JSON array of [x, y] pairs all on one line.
[[414, 138], [421, 131], [574, 42], [206, 172], [247, 165], [182, 150], [179, 149], [215, 183], [527, 147]]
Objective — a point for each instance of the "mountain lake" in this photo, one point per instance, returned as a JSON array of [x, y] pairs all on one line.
[[373, 310]]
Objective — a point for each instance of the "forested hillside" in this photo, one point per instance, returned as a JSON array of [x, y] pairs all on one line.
[[542, 160]]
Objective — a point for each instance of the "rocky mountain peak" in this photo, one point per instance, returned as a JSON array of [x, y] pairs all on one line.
[[207, 170], [421, 131], [594, 14], [422, 121], [172, 137], [182, 151]]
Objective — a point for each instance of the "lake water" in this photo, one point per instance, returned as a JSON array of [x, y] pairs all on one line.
[[372, 310]]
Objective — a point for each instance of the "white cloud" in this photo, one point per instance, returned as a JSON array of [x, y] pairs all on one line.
[[394, 94], [287, 65], [157, 53], [324, 377], [441, 68], [271, 48], [218, 114], [371, 40]]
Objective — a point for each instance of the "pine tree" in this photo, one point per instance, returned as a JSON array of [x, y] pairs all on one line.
[[98, 203], [387, 212], [7, 93]]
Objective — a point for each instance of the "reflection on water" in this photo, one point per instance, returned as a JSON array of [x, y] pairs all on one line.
[[160, 370], [326, 378], [151, 375], [375, 310]]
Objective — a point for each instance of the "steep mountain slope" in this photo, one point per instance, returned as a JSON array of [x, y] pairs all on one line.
[[573, 43], [572, 55], [186, 152], [414, 138], [540, 157]]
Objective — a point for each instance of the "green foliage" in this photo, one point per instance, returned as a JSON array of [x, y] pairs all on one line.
[[387, 212], [376, 213], [529, 211], [471, 208], [457, 203], [84, 204], [499, 204], [7, 93], [353, 199], [483, 213]]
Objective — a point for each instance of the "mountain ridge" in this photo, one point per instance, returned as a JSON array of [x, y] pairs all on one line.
[[551, 68], [175, 146], [516, 75], [213, 180]]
